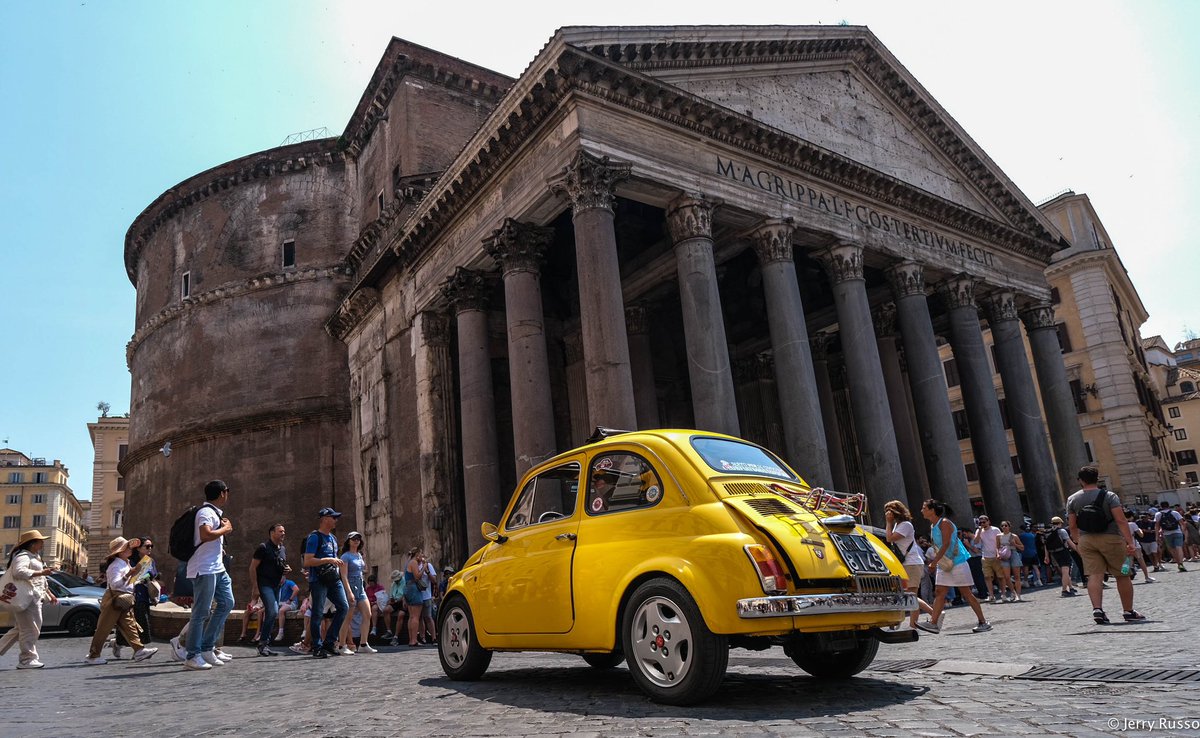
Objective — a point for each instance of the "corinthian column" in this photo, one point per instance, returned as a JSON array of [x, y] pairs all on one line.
[[829, 415], [519, 249], [645, 396], [882, 473], [884, 318], [988, 439], [436, 439], [799, 402], [588, 182], [713, 402], [1065, 435], [467, 292]]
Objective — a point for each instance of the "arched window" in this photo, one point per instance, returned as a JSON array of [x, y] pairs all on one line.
[[1187, 387]]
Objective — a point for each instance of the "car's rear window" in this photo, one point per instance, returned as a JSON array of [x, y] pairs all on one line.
[[732, 457]]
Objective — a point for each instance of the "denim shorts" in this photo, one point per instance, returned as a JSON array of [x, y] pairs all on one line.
[[356, 588]]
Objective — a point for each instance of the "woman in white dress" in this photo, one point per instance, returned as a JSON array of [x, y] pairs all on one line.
[[948, 548]]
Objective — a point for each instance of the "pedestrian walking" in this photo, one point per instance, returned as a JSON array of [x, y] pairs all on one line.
[[326, 581], [414, 578], [1008, 550], [902, 535], [268, 566], [212, 590], [143, 596], [949, 564], [1138, 557], [1101, 534], [1169, 526], [355, 565], [1058, 553], [116, 607], [993, 570], [25, 563]]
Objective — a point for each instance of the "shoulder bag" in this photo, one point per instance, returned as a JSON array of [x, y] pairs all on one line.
[[15, 594]]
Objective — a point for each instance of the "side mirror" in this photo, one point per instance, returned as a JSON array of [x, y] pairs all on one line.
[[492, 533]]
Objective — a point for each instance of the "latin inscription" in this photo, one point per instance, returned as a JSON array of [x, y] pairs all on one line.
[[811, 197]]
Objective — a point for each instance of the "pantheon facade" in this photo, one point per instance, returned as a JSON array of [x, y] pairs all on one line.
[[761, 231]]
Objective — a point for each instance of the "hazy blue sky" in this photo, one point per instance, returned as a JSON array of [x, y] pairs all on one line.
[[108, 104]]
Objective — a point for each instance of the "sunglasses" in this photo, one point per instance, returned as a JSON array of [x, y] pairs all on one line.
[[147, 545]]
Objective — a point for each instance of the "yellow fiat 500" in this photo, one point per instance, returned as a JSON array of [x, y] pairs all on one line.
[[665, 549]]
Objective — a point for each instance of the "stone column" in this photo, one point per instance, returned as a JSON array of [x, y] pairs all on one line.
[[988, 439], [799, 403], [519, 249], [884, 318], [880, 458], [1065, 434], [1024, 413], [467, 292], [436, 440], [713, 402], [576, 387], [927, 382], [829, 417], [645, 395], [588, 182]]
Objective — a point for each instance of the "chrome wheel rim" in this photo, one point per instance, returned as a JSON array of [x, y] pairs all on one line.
[[455, 638], [662, 642]]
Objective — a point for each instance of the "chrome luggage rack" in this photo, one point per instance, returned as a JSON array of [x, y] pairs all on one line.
[[819, 499]]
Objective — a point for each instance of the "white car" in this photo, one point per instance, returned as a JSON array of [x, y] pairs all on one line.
[[77, 611]]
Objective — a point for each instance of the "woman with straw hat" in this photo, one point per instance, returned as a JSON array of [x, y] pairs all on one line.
[[116, 608], [26, 563]]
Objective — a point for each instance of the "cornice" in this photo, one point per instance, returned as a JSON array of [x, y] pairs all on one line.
[[1074, 261], [227, 291], [356, 306], [409, 191], [195, 189]]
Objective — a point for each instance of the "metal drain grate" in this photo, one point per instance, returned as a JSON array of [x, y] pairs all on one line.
[[1090, 674], [896, 667]]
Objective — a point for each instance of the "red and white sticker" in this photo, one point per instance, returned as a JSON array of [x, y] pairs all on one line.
[[597, 504], [605, 463]]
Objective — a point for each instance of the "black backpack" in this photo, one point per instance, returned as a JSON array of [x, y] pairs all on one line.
[[182, 543], [1164, 517], [1092, 517]]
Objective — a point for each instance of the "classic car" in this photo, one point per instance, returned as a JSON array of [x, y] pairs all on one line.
[[665, 549]]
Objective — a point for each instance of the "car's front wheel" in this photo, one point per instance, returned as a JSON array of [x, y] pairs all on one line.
[[82, 623], [463, 659], [835, 664], [673, 656]]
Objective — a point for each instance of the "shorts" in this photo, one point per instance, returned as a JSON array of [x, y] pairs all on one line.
[[916, 573], [1149, 547], [356, 588], [1102, 552], [1029, 560], [993, 567], [1173, 539], [412, 594], [1061, 557], [1011, 563], [959, 576]]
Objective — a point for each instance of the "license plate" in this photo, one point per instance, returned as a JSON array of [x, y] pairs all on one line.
[[858, 553]]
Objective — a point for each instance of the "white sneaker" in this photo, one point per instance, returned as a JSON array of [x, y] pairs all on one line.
[[366, 648], [346, 651], [211, 659], [222, 655], [35, 664], [178, 652], [1017, 598], [144, 654], [116, 647], [198, 663], [95, 661]]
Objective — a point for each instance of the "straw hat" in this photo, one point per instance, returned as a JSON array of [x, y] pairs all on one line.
[[397, 575], [30, 535], [119, 544]]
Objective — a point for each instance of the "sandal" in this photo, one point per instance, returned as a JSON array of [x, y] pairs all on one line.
[[1099, 616], [1133, 616]]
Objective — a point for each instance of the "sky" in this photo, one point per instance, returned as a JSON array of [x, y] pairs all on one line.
[[108, 104]]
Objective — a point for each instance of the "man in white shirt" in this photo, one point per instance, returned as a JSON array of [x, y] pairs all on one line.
[[985, 539], [210, 581]]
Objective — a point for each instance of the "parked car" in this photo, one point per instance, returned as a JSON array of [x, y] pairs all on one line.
[[73, 583], [677, 546], [76, 612]]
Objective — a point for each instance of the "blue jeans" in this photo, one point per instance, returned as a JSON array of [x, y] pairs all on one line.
[[208, 623], [266, 622], [337, 596]]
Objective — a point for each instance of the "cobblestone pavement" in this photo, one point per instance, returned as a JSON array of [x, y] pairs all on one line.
[[403, 692]]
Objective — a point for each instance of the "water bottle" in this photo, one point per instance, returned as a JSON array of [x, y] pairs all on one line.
[[1127, 567]]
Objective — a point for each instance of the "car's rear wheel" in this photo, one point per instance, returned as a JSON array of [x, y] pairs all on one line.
[[81, 623], [463, 659], [835, 664], [673, 656], [603, 660]]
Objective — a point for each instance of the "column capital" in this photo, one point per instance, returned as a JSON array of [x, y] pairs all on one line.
[[518, 247], [467, 289], [690, 217], [843, 262], [883, 317], [820, 343], [772, 239], [1038, 315], [637, 319], [958, 291], [907, 278], [1000, 306], [589, 181], [435, 328]]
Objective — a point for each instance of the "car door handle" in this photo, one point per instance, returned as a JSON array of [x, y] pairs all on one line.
[[565, 536]]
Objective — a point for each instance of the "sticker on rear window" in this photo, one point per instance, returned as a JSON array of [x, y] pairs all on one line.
[[652, 494]]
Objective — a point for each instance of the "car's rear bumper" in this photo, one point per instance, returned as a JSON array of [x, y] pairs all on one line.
[[825, 604]]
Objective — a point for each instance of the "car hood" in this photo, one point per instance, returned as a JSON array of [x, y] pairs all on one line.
[[96, 592]]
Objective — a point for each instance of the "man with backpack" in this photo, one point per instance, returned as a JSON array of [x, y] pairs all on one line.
[[1169, 524], [1058, 545], [206, 570], [1101, 534], [326, 574]]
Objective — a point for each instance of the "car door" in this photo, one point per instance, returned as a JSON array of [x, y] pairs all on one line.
[[524, 583]]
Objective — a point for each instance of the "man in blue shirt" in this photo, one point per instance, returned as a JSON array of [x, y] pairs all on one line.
[[326, 579]]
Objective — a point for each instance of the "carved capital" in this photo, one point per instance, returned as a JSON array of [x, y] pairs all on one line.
[[958, 292], [1000, 306], [907, 278], [1038, 315], [690, 217], [435, 328], [589, 181], [772, 240], [518, 247], [884, 319], [843, 262], [467, 289], [637, 319], [820, 344], [573, 348]]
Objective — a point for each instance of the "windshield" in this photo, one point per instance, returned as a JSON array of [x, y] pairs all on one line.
[[735, 457], [70, 580]]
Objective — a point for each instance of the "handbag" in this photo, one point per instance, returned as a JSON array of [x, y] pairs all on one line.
[[154, 589], [946, 563], [16, 594], [328, 575], [1004, 553]]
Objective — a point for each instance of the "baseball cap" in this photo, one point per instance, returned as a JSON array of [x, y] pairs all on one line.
[[328, 512]]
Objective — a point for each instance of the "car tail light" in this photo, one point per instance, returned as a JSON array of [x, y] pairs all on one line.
[[770, 573]]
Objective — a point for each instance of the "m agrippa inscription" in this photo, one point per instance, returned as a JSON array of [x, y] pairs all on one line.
[[814, 198]]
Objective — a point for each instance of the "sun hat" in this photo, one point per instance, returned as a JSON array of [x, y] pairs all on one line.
[[119, 544], [1056, 520], [397, 575], [31, 535]]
